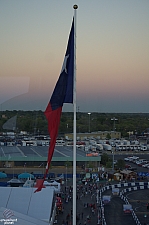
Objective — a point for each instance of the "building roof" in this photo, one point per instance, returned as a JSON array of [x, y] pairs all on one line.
[[127, 172], [19, 218], [39, 153], [24, 201]]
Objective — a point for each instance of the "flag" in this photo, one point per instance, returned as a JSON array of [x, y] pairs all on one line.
[[63, 93], [10, 124]]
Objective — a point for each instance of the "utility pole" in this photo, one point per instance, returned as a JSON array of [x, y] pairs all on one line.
[[114, 119]]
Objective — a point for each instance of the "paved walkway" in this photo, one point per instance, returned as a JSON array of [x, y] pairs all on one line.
[[86, 209]]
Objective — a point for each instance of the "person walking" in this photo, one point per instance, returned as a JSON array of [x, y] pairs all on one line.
[[82, 215]]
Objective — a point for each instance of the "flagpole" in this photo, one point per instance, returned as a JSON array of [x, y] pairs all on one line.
[[74, 122]]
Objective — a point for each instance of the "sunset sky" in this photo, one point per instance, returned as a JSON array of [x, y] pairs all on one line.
[[112, 53]]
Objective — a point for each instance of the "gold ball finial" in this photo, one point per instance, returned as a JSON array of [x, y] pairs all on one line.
[[75, 6]]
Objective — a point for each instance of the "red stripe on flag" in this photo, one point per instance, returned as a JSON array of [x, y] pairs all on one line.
[[53, 118]]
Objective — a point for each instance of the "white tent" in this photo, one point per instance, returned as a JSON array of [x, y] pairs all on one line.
[[19, 218], [23, 200], [56, 186]]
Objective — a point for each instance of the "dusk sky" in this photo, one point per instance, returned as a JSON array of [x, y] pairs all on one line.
[[112, 53]]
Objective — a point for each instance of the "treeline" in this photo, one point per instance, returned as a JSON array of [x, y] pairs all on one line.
[[34, 122]]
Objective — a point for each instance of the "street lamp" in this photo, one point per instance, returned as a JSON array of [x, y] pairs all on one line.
[[66, 178], [113, 161], [89, 122], [145, 218], [114, 119], [25, 167], [43, 168], [67, 127]]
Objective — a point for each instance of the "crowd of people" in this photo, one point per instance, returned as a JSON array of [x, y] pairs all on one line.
[[87, 208]]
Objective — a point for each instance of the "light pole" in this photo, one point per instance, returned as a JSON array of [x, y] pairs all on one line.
[[67, 128], [24, 167], [113, 160], [66, 178], [114, 119], [89, 122], [145, 218], [43, 168]]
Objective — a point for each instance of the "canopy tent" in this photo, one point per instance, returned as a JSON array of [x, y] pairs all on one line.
[[15, 182], [3, 175], [54, 184], [23, 200], [25, 175], [143, 174]]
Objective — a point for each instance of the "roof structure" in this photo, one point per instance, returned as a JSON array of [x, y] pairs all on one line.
[[19, 218], [24, 201], [39, 153], [126, 172]]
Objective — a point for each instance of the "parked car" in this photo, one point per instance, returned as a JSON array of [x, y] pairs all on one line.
[[145, 165], [133, 169], [127, 166]]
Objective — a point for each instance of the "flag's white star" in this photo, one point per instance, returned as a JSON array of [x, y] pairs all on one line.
[[64, 64]]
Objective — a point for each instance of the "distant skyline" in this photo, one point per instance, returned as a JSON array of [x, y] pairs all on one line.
[[112, 53]]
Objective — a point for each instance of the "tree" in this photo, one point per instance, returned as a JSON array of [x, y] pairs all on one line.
[[105, 159], [68, 164], [109, 164], [120, 164], [108, 136]]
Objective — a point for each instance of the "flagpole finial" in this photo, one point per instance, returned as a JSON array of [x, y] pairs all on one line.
[[75, 6]]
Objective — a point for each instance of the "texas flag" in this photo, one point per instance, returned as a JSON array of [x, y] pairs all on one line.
[[63, 93]]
